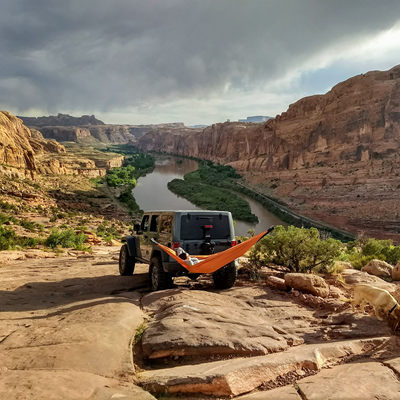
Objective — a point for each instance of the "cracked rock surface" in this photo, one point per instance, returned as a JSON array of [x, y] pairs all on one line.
[[66, 329]]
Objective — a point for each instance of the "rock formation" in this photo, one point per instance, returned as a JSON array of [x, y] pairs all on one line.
[[358, 120], [87, 129], [19, 146], [333, 157], [24, 152], [61, 120]]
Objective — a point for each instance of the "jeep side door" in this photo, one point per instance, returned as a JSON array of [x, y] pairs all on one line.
[[151, 232], [142, 236], [165, 231]]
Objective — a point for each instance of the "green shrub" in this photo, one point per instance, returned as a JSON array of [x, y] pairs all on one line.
[[9, 240], [362, 252], [7, 206], [298, 249], [30, 226], [66, 238], [127, 198], [121, 176]]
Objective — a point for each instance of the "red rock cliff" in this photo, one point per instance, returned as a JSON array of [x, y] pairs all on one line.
[[357, 120]]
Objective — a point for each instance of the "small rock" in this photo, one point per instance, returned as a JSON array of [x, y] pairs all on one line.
[[114, 242], [307, 283], [378, 268], [335, 292], [396, 272], [276, 282]]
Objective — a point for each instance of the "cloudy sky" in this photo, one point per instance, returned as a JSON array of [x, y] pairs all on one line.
[[195, 61]]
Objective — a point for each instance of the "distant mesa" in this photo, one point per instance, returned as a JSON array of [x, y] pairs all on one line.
[[256, 119], [87, 129], [61, 120], [200, 126]]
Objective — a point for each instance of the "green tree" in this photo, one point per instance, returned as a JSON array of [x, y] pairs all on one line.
[[298, 249]]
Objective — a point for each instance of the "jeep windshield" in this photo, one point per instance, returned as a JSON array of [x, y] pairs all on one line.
[[194, 227]]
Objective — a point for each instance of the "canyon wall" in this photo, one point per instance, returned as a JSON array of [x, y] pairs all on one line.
[[61, 120], [20, 147], [88, 129], [358, 120], [25, 152]]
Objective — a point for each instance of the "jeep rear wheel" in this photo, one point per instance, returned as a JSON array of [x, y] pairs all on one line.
[[126, 262], [159, 279], [225, 277]]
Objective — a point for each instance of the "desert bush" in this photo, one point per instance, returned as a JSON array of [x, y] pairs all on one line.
[[4, 205], [9, 240], [363, 251], [66, 238], [128, 199], [30, 226], [298, 249]]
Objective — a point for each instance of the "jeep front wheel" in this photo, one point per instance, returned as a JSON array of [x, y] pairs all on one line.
[[225, 277], [159, 279], [126, 262]]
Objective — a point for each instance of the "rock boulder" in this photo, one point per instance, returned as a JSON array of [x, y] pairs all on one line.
[[378, 268], [396, 272], [276, 282], [307, 283]]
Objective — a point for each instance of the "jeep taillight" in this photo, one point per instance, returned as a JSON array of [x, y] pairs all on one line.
[[233, 243], [175, 245]]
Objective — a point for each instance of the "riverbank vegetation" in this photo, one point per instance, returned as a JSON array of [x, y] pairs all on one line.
[[136, 165], [208, 188]]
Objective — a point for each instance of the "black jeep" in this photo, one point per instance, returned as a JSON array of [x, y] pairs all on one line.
[[196, 232]]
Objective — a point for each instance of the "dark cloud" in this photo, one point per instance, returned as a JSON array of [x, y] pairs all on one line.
[[102, 55]]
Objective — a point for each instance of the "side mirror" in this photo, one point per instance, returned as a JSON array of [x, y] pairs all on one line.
[[136, 228]]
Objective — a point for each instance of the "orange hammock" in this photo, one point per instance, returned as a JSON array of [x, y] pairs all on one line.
[[212, 262]]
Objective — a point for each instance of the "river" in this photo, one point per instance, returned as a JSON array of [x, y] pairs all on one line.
[[151, 193]]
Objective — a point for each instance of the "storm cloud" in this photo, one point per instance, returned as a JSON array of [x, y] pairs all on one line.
[[129, 57]]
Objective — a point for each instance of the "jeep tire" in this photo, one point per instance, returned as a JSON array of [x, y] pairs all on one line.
[[159, 279], [225, 277], [126, 261]]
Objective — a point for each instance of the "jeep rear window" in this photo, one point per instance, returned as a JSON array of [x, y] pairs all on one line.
[[192, 226]]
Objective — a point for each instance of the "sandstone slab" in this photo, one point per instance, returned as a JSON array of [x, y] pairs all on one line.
[[378, 268], [66, 385], [242, 375], [63, 334], [280, 393], [394, 364], [205, 324], [307, 283], [355, 381]]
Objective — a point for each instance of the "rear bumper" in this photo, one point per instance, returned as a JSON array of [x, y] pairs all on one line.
[[175, 268]]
